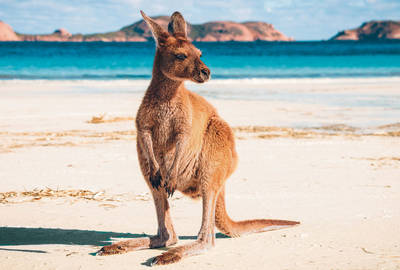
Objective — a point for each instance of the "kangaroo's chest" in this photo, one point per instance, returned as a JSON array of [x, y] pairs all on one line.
[[164, 129]]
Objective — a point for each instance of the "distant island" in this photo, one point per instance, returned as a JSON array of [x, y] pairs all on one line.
[[139, 31], [373, 30]]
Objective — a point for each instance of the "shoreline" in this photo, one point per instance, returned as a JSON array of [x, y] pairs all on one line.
[[255, 80], [366, 41]]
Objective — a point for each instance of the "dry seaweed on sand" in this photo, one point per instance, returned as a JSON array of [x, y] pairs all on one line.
[[14, 197], [101, 119], [38, 194]]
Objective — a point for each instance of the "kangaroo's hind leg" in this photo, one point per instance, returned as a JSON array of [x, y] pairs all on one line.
[[206, 237], [216, 163], [165, 236]]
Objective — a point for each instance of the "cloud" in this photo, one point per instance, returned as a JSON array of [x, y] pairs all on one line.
[[356, 3]]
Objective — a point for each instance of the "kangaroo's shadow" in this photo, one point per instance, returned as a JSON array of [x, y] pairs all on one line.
[[16, 236]]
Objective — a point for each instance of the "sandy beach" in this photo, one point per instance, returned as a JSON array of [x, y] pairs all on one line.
[[70, 180]]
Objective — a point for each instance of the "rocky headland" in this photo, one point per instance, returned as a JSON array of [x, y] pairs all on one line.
[[139, 31], [373, 30]]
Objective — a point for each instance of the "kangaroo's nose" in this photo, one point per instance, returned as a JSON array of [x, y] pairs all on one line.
[[205, 73]]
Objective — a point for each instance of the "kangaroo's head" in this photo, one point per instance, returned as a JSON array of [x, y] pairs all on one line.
[[176, 57]]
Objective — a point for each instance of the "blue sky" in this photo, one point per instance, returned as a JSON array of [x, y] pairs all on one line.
[[301, 19]]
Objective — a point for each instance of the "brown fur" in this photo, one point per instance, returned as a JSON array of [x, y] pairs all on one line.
[[184, 145]]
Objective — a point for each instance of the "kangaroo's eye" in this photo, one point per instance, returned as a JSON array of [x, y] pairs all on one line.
[[181, 56]]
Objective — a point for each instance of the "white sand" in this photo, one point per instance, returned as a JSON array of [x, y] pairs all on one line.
[[344, 189]]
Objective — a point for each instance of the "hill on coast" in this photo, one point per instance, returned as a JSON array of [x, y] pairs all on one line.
[[373, 30], [139, 31]]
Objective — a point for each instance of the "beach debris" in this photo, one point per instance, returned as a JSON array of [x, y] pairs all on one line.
[[272, 132], [379, 162], [16, 140], [101, 119], [366, 251], [74, 195], [338, 127], [39, 194], [393, 126], [108, 205], [97, 119]]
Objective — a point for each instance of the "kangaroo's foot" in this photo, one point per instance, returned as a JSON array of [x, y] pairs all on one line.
[[136, 244], [125, 246], [174, 255], [171, 256]]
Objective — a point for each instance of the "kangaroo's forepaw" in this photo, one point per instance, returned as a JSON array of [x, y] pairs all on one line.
[[155, 179], [167, 258], [112, 250], [170, 186]]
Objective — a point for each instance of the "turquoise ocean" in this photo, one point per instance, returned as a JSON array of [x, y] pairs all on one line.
[[227, 60]]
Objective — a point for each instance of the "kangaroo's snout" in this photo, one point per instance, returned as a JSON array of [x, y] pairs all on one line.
[[205, 74]]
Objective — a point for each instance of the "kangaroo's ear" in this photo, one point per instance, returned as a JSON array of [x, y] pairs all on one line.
[[177, 25], [159, 34]]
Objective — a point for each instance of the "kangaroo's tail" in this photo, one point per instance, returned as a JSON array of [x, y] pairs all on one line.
[[237, 228]]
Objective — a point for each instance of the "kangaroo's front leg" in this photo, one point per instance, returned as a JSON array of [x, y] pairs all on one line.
[[170, 180], [146, 143], [165, 236], [205, 238]]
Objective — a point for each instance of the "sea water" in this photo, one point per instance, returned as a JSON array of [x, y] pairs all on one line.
[[227, 60]]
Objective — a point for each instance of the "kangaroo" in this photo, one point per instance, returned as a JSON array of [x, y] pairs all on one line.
[[183, 144]]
